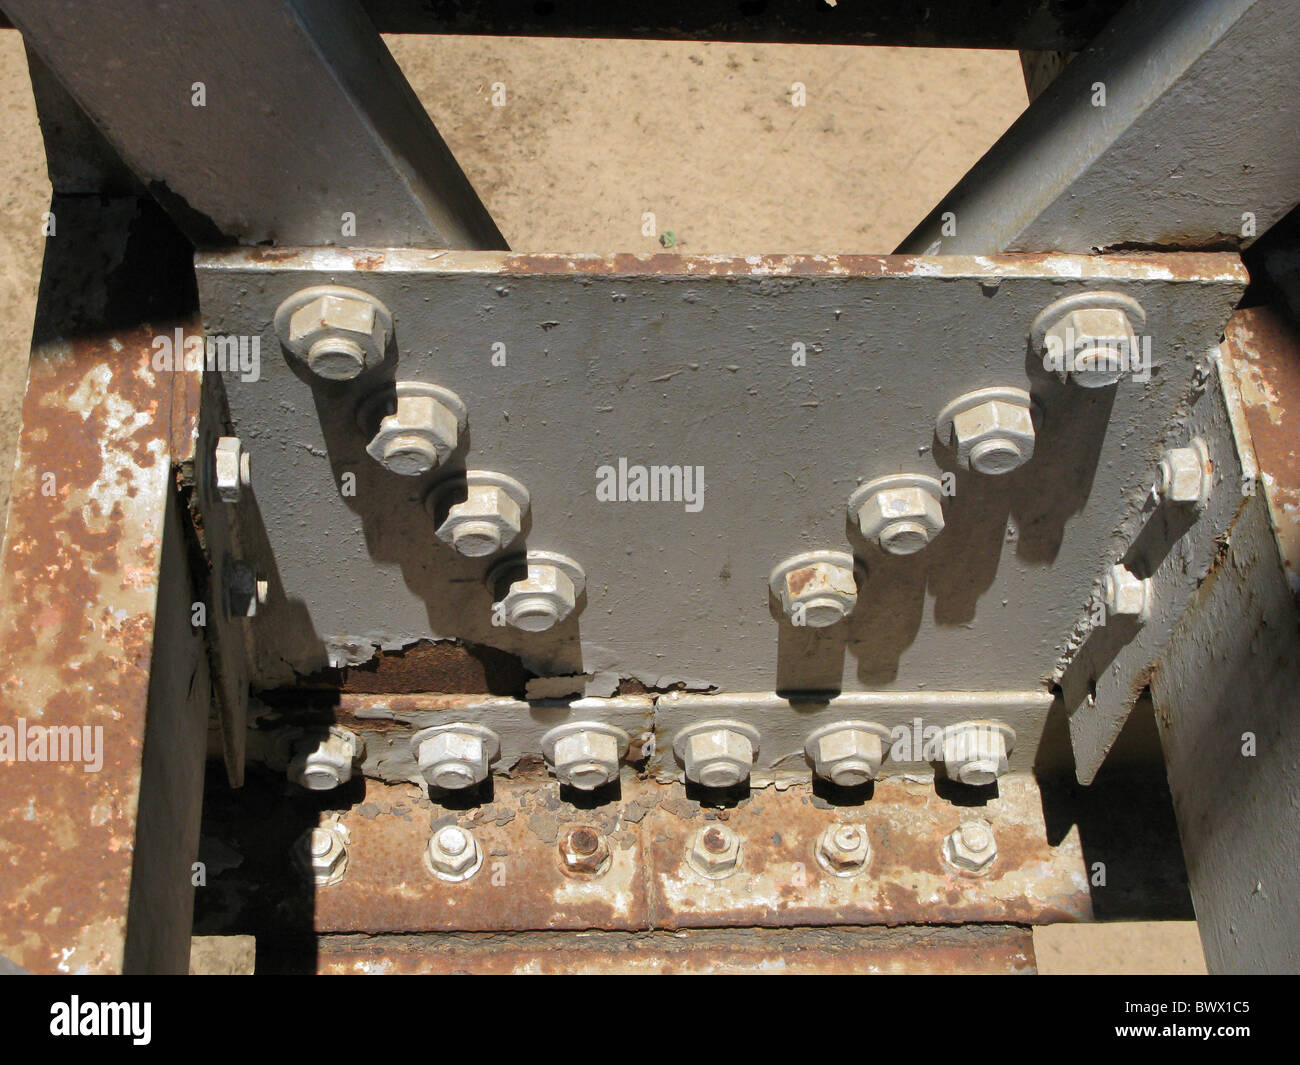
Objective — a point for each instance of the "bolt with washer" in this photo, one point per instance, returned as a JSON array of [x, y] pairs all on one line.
[[456, 756], [339, 333], [415, 426], [715, 852], [585, 754], [901, 514], [233, 469], [536, 591], [584, 852], [843, 850], [717, 754], [847, 753], [323, 853], [453, 854], [478, 512], [1183, 475], [1126, 595], [971, 846], [976, 752], [990, 430], [245, 590], [1089, 338], [322, 761], [816, 588]]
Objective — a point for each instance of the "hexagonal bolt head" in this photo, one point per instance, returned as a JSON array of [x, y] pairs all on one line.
[[453, 760], [848, 757], [453, 854], [1182, 478], [584, 851], [233, 469], [323, 853], [843, 850], [587, 759], [817, 592], [340, 333], [245, 590], [320, 763], [901, 518], [1126, 595], [1096, 345], [718, 758], [489, 517], [974, 754], [714, 852], [420, 433], [971, 846], [994, 437], [542, 594]]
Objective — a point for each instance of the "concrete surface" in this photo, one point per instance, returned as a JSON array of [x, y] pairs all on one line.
[[593, 134]]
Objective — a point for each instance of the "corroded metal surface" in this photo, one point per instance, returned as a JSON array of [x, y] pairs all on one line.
[[1263, 352], [78, 587], [986, 949], [649, 884]]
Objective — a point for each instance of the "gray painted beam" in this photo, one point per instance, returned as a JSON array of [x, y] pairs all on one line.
[[1197, 130], [305, 116]]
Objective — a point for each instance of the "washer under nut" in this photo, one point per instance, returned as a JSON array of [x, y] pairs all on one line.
[[536, 591], [478, 512], [990, 430], [416, 426], [816, 588], [585, 754], [337, 332], [901, 514], [717, 754]]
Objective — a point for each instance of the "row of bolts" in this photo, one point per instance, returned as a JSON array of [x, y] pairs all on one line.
[[454, 854], [339, 333]]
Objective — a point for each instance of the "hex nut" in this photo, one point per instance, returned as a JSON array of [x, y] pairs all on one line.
[[717, 754], [586, 760], [1182, 477], [338, 332], [847, 753], [479, 512], [843, 850], [584, 852], [245, 591], [900, 514], [537, 591], [976, 752], [233, 469], [1096, 345], [319, 762], [453, 854], [715, 852], [817, 588], [971, 846], [323, 854], [1125, 594], [416, 426], [457, 756], [990, 430]]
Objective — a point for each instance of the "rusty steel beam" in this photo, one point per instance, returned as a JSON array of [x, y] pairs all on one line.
[[94, 613], [970, 949]]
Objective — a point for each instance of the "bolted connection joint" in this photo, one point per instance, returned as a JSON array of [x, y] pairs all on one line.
[[323, 854], [971, 846], [1126, 595], [847, 753], [456, 756], [478, 512], [338, 332], [584, 851], [536, 591], [453, 854], [991, 430], [416, 426], [817, 588], [975, 752], [1089, 339], [717, 754], [321, 761], [843, 850], [901, 514], [714, 852], [233, 469], [1183, 476], [585, 754]]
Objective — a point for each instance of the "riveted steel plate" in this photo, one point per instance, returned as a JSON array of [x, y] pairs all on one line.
[[782, 382]]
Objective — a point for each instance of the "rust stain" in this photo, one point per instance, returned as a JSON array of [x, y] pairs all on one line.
[[427, 666], [77, 597], [265, 254]]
